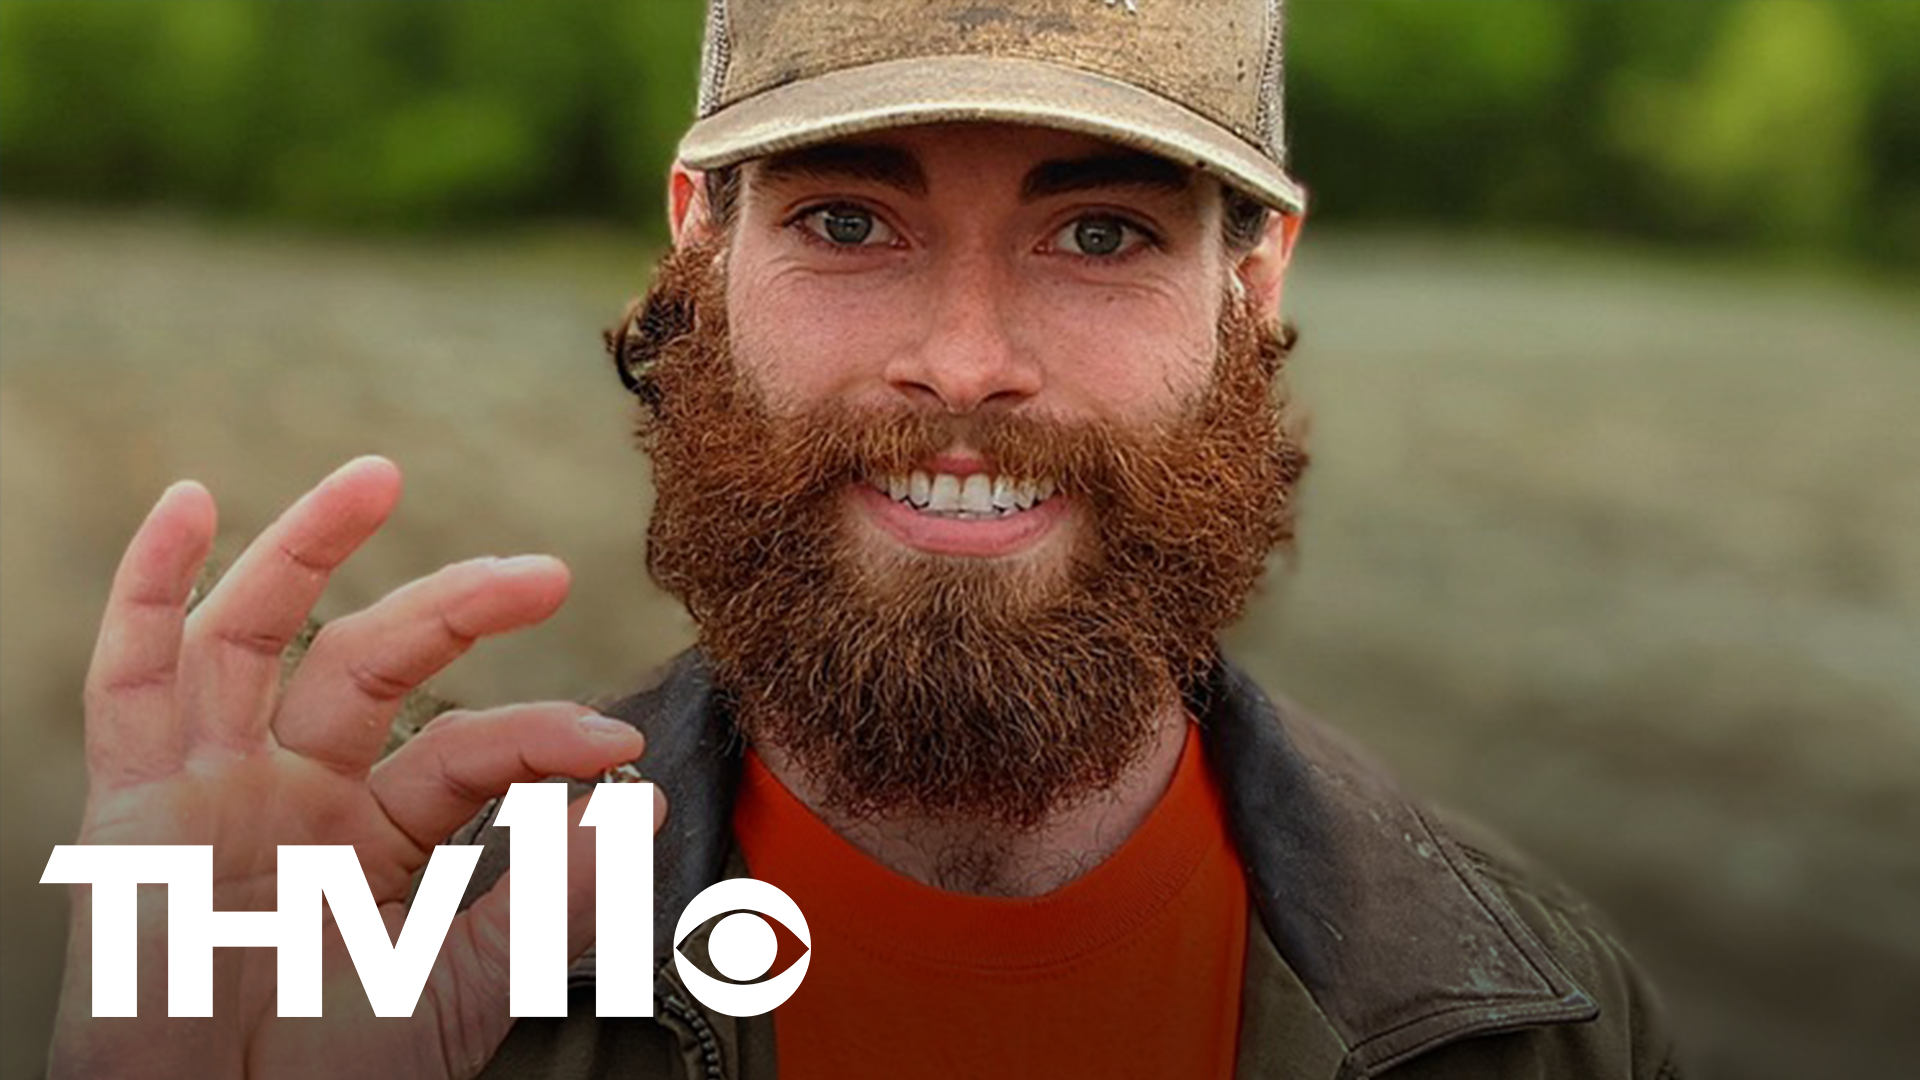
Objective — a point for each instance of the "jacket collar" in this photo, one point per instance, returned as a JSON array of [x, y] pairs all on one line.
[[1399, 942]]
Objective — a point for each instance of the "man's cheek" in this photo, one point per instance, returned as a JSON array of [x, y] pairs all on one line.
[[827, 348]]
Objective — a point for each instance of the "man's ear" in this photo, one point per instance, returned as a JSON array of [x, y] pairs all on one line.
[[689, 217], [1263, 270]]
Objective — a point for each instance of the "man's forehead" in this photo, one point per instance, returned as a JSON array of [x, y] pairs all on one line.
[[1054, 162]]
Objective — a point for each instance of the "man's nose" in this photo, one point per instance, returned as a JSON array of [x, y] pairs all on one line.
[[971, 354]]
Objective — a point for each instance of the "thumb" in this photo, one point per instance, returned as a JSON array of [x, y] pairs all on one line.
[[475, 1013]]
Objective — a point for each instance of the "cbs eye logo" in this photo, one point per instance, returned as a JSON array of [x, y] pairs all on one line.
[[741, 946]]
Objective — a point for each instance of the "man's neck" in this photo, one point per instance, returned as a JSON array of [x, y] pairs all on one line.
[[991, 859]]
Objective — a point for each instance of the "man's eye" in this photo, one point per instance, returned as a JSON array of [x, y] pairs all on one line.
[[1098, 236], [847, 225]]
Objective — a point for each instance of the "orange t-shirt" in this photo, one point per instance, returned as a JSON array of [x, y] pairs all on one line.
[[1131, 970]]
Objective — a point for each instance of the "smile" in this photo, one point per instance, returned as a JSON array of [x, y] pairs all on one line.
[[969, 498], [967, 511]]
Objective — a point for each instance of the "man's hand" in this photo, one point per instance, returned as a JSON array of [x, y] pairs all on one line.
[[189, 740]]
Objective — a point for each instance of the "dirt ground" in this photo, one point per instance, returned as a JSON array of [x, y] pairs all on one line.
[[1621, 554]]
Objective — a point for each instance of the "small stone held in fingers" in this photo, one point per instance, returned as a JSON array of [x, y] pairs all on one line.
[[627, 773]]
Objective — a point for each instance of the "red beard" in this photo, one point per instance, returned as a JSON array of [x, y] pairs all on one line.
[[939, 686]]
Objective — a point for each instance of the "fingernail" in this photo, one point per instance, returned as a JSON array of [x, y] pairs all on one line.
[[606, 727], [521, 564]]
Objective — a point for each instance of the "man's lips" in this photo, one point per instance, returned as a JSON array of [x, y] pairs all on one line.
[[935, 523]]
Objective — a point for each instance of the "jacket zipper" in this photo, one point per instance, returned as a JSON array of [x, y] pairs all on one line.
[[695, 1019], [664, 992]]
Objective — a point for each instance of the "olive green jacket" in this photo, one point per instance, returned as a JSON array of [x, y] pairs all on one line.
[[1387, 944]]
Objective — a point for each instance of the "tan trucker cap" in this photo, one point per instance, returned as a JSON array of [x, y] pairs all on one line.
[[1197, 81]]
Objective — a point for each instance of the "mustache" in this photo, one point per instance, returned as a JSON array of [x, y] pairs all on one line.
[[834, 445]]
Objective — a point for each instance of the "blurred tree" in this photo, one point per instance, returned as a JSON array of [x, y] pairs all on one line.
[[68, 126], [1765, 138], [1406, 108], [655, 77], [1888, 33]]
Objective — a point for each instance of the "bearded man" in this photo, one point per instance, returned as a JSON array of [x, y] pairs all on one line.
[[963, 392]]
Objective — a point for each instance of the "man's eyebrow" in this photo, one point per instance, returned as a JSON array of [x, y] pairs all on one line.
[[886, 165], [1105, 171]]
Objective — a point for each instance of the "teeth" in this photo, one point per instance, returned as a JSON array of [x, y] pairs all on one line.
[[946, 494], [976, 496]]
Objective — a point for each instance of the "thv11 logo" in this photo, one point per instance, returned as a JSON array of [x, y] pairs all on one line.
[[394, 972]]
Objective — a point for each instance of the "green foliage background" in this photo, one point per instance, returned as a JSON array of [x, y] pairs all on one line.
[[1785, 125]]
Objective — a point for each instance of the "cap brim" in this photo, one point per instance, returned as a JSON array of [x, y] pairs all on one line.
[[897, 93]]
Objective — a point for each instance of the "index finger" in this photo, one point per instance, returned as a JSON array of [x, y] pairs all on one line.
[[132, 725]]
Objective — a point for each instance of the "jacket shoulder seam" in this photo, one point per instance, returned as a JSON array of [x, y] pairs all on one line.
[[1556, 898]]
